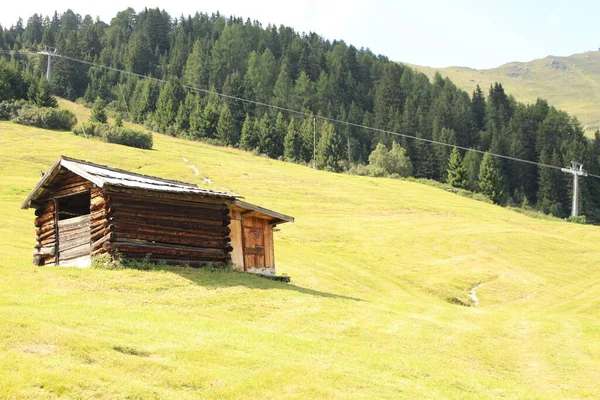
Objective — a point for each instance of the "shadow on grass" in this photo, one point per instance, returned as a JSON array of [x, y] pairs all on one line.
[[223, 278]]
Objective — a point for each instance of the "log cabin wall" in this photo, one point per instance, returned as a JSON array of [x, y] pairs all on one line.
[[45, 230], [100, 228], [170, 229], [48, 213]]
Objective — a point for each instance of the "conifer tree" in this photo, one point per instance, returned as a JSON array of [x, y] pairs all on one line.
[[196, 130], [266, 143], [249, 139], [292, 143], [99, 112], [227, 132], [43, 97], [307, 138], [457, 173], [478, 108], [471, 162], [329, 149], [490, 180]]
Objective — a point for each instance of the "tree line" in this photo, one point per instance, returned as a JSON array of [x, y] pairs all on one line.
[[278, 66]]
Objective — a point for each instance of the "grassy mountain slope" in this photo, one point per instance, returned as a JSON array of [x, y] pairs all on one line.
[[569, 83], [376, 265]]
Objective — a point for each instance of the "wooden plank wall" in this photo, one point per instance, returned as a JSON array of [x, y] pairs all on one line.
[[74, 241], [237, 255], [176, 231]]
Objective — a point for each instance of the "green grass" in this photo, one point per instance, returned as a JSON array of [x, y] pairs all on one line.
[[570, 83], [376, 265]]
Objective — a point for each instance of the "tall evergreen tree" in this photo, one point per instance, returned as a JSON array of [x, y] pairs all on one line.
[[43, 97], [457, 173], [227, 132], [329, 149], [490, 180], [99, 112], [249, 139], [292, 143]]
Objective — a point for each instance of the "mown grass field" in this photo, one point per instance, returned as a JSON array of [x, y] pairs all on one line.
[[569, 83], [376, 267]]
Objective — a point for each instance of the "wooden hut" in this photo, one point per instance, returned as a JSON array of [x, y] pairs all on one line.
[[84, 209]]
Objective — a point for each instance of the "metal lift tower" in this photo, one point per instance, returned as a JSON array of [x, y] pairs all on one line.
[[576, 169], [48, 51]]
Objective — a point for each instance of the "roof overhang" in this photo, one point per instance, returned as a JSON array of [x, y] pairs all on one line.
[[52, 174], [273, 216]]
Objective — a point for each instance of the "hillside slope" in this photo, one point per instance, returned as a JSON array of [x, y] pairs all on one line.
[[377, 266], [569, 83]]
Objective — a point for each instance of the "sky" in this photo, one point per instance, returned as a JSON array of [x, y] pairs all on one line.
[[436, 33]]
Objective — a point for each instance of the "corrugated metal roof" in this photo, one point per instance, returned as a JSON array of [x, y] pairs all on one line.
[[104, 176]]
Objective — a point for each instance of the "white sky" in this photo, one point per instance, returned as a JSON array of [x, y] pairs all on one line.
[[436, 33]]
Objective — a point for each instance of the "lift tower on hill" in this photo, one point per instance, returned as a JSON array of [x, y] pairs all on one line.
[[576, 169], [48, 51]]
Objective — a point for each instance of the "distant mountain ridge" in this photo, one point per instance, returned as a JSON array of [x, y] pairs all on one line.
[[570, 83]]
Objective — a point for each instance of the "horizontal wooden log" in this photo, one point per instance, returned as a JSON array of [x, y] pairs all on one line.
[[96, 201], [69, 178], [98, 227], [167, 239], [168, 211], [174, 198], [48, 208], [74, 222], [148, 203], [73, 234], [127, 226], [50, 261], [101, 232], [106, 238], [70, 185], [45, 251], [47, 242], [144, 244], [46, 235], [95, 223], [151, 220], [100, 250], [103, 213], [64, 246], [170, 218], [75, 252], [162, 249], [44, 219], [73, 190], [45, 228]]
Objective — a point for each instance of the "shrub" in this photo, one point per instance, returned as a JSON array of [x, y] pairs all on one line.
[[130, 137], [46, 118], [116, 134], [106, 261], [577, 219], [9, 109]]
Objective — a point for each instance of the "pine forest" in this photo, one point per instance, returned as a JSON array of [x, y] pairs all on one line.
[[310, 101]]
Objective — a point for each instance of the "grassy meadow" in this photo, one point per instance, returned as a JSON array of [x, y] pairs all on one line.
[[570, 83], [379, 271]]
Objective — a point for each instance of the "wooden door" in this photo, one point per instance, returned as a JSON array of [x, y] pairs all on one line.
[[254, 242]]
